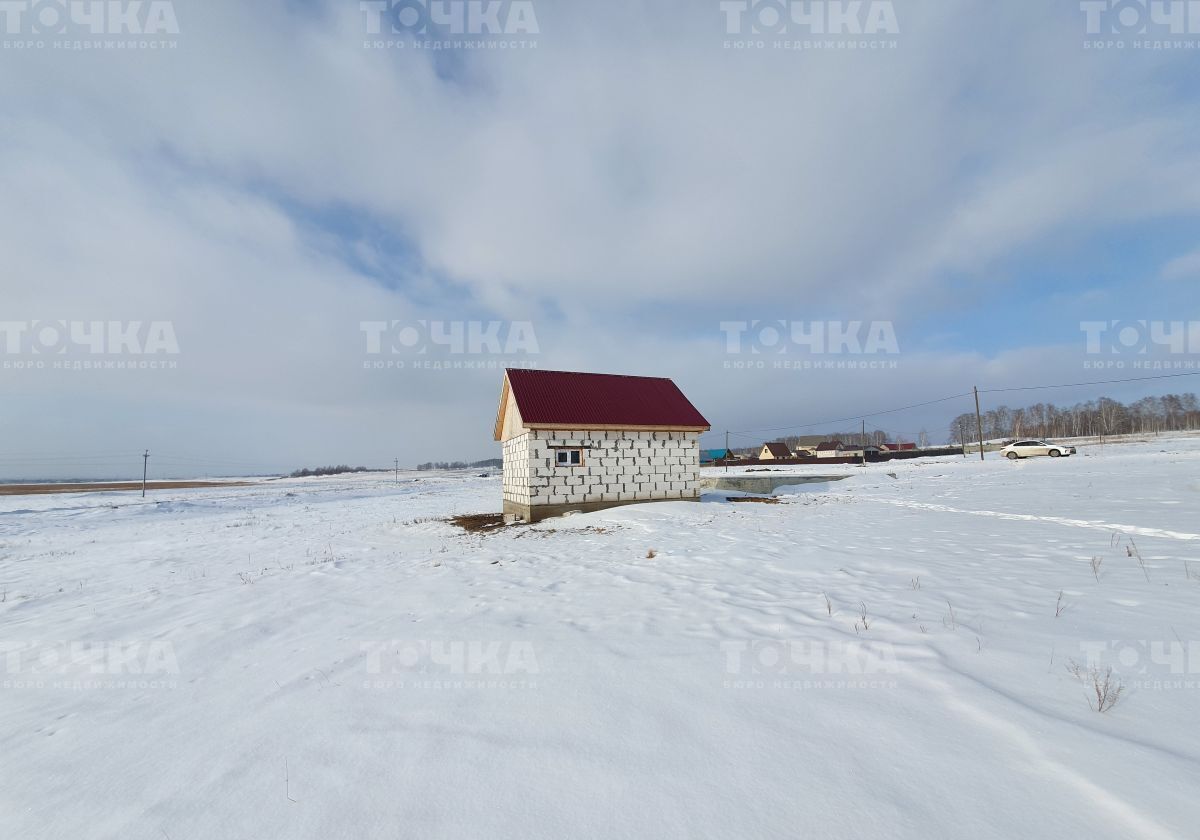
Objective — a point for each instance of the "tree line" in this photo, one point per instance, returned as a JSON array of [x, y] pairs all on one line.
[[1168, 413], [338, 470], [490, 463]]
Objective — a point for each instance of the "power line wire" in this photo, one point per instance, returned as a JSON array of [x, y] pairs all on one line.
[[856, 416], [1084, 384]]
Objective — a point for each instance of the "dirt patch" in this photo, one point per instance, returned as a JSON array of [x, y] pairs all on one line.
[[762, 500], [547, 532], [127, 486], [478, 523]]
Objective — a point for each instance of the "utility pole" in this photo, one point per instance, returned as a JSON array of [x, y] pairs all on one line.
[[726, 459], [978, 423], [145, 464], [864, 442], [397, 471]]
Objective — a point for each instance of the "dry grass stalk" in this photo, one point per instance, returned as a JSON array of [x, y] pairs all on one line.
[[951, 620], [1106, 689], [1132, 551]]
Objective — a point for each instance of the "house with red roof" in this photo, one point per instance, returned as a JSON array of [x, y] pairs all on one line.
[[830, 449], [589, 441]]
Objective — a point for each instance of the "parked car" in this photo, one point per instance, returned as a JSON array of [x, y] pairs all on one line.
[[1031, 448]]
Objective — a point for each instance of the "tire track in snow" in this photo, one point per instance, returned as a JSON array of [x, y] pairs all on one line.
[[1136, 821], [1136, 530]]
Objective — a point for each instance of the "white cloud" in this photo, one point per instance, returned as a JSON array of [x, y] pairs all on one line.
[[1184, 267], [623, 186]]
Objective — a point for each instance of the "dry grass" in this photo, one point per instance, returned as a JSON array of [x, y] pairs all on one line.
[[862, 618], [1132, 551], [420, 520], [1105, 688], [762, 500]]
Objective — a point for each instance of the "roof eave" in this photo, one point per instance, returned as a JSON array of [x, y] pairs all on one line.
[[499, 430], [621, 427]]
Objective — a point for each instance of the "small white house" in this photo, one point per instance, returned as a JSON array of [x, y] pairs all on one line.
[[589, 441]]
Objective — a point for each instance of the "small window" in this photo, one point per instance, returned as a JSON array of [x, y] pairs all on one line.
[[569, 457]]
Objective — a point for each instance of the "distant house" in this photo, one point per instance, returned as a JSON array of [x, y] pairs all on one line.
[[829, 449], [711, 456], [774, 451], [588, 441], [899, 447], [852, 450]]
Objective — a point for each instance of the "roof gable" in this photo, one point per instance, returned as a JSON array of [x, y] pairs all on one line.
[[547, 398]]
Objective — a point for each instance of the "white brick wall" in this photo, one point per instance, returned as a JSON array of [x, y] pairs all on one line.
[[517, 469], [617, 466]]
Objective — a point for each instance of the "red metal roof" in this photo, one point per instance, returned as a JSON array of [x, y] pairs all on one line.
[[585, 400]]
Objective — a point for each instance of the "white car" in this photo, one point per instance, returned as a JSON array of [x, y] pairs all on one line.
[[1031, 448]]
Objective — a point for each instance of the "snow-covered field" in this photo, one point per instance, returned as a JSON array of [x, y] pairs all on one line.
[[323, 658]]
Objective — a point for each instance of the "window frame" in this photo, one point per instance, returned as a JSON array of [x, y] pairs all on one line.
[[574, 457]]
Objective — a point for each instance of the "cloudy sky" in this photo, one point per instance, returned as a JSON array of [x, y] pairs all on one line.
[[293, 232]]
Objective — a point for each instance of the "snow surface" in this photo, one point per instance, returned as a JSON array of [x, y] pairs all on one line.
[[324, 658]]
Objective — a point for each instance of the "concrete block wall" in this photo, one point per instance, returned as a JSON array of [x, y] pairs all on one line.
[[617, 467], [517, 469]]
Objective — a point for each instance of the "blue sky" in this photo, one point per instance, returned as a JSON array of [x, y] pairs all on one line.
[[273, 181]]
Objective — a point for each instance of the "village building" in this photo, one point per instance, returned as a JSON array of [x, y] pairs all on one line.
[[774, 451], [830, 449], [713, 456], [589, 441]]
